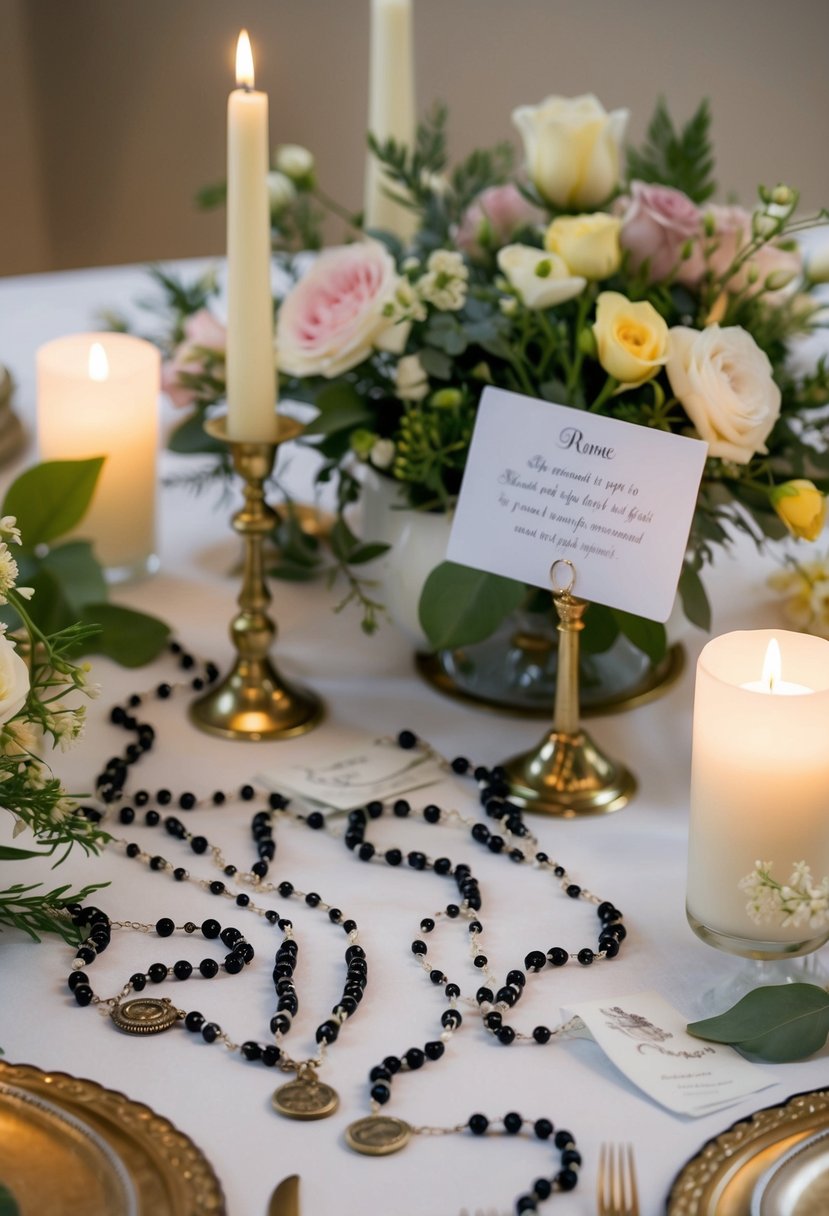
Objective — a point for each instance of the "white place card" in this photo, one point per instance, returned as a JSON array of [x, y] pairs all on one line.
[[645, 1037], [355, 775], [544, 482]]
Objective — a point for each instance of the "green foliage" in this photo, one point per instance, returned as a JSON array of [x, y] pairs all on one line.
[[780, 1023], [459, 605], [680, 158], [128, 637], [8, 1204], [695, 602], [42, 913], [50, 499], [647, 636]]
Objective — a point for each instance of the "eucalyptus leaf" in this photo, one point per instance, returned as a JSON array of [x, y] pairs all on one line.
[[77, 570], [778, 1023], [8, 1204], [50, 499], [459, 606], [48, 607], [695, 603], [340, 408], [648, 636], [190, 438], [130, 638]]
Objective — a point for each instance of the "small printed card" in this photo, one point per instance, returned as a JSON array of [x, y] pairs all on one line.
[[544, 482], [645, 1037], [356, 774]]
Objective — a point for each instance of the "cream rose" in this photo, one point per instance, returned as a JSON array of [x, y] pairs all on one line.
[[725, 384], [632, 339], [14, 680], [589, 244], [334, 317], [541, 279], [572, 148]]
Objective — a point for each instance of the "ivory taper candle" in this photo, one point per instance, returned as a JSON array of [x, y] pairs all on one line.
[[391, 107]]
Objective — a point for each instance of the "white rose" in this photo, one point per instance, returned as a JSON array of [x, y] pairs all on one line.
[[281, 191], [541, 279], [725, 383], [410, 379], [572, 148], [295, 162], [14, 680]]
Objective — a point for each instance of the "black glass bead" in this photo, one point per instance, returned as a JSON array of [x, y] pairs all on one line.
[[174, 827], [259, 868], [132, 752], [198, 844], [433, 1049], [483, 995], [230, 936], [210, 928], [431, 813], [209, 967], [247, 793], [315, 820], [574, 891], [557, 956], [564, 1139], [374, 809], [379, 1073], [152, 819], [157, 972], [242, 900], [141, 798], [163, 797], [132, 850], [419, 947], [609, 946], [211, 672], [233, 964], [543, 1129], [83, 994], [506, 996], [86, 954], [475, 926], [157, 863], [401, 808], [126, 814], [505, 1035], [517, 856], [327, 1032], [585, 956], [285, 889], [478, 1124], [437, 977], [271, 917], [164, 927], [451, 1018], [543, 1188], [460, 765], [535, 960], [427, 924], [186, 662], [380, 1092], [416, 860], [179, 874], [407, 739], [516, 978], [414, 1057], [312, 899], [197, 683], [194, 1021], [347, 1004], [571, 1156], [480, 832], [392, 1063], [277, 802], [187, 801], [349, 926], [270, 1055], [117, 715], [525, 1203], [251, 1050], [452, 990], [352, 838], [480, 960], [138, 981], [210, 1032], [442, 865], [566, 1180], [513, 1123], [541, 1035], [452, 911], [365, 851], [393, 857], [217, 887], [495, 844], [76, 978], [617, 931], [493, 1020], [182, 970]]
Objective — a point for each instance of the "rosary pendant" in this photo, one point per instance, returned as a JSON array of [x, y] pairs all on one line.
[[306, 1097], [145, 1015], [378, 1135]]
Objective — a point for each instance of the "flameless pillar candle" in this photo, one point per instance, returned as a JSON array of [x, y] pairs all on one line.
[[759, 781], [250, 366], [391, 107], [97, 395]]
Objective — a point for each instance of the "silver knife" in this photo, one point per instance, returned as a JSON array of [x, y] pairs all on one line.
[[285, 1199]]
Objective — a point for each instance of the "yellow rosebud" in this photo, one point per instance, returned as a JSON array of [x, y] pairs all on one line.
[[589, 244], [801, 506], [631, 339]]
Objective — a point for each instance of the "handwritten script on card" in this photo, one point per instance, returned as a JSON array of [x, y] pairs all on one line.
[[544, 482]]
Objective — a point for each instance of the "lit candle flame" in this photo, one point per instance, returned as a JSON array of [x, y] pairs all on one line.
[[244, 62], [772, 666], [98, 362]]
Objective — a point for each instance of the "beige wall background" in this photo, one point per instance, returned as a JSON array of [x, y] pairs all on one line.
[[112, 112]]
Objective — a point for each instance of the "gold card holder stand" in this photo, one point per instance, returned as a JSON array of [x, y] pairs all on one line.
[[253, 701], [567, 774]]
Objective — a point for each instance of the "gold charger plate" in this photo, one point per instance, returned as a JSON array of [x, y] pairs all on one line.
[[720, 1178], [110, 1156]]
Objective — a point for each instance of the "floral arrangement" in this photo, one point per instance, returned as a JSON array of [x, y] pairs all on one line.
[[806, 588], [802, 900], [604, 282], [34, 711]]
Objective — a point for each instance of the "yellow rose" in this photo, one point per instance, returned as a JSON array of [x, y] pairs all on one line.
[[572, 147], [589, 244], [631, 339], [801, 506]]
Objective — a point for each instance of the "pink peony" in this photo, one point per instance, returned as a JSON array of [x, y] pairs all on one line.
[[493, 218], [732, 232], [657, 222], [334, 316], [202, 331]]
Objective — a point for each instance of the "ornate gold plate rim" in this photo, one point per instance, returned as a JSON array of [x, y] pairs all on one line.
[[719, 1179], [652, 686], [169, 1173]]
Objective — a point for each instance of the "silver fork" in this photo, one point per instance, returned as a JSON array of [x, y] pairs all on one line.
[[616, 1193]]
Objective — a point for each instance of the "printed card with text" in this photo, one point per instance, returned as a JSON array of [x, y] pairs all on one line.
[[543, 481]]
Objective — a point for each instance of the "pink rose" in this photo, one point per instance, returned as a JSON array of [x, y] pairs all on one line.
[[202, 332], [333, 318], [493, 218], [657, 222], [732, 232]]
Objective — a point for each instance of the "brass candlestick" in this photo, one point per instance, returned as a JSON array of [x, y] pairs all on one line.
[[253, 701], [567, 774]]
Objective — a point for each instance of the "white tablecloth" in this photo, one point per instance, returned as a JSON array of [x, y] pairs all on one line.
[[635, 858]]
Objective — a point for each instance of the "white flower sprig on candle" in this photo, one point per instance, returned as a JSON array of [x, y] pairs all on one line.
[[802, 900]]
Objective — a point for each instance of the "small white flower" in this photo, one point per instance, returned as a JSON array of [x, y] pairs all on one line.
[[411, 381], [382, 453], [296, 162], [281, 191], [26, 593], [445, 283], [9, 530], [8, 572], [448, 262]]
